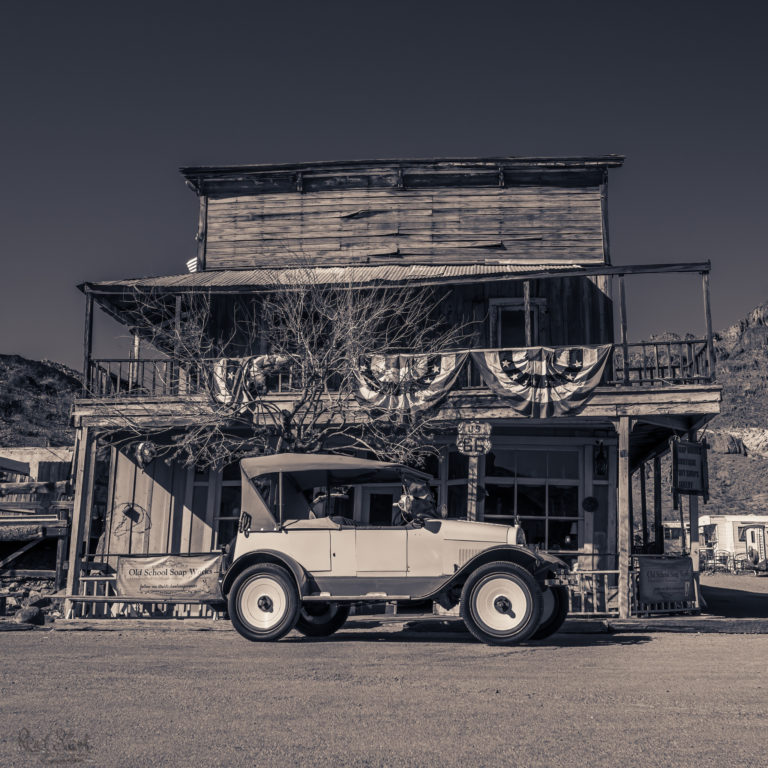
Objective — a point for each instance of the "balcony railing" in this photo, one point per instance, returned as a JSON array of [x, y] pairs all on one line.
[[642, 364]]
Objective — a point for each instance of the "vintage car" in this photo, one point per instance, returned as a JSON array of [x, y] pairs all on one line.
[[296, 564]]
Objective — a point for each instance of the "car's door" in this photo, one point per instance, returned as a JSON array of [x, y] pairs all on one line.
[[380, 546], [425, 550]]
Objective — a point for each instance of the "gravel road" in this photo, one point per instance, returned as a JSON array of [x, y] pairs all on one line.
[[380, 697]]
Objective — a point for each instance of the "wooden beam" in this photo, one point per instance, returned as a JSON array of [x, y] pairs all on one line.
[[87, 341], [708, 320], [81, 514], [202, 231], [35, 486], [643, 507], [623, 322], [624, 532], [693, 519], [527, 311], [658, 528]]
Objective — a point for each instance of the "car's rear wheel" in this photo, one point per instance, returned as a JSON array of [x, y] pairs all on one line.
[[554, 610], [501, 604], [321, 619], [264, 602]]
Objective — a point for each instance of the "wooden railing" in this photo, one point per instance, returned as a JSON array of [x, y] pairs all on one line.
[[647, 363], [650, 363]]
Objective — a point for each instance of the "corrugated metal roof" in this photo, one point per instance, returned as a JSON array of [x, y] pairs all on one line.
[[274, 278]]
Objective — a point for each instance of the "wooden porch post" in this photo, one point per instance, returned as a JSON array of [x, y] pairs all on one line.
[[643, 508], [623, 320], [87, 341], [527, 310], [708, 320], [693, 517], [657, 526], [624, 531], [81, 511]]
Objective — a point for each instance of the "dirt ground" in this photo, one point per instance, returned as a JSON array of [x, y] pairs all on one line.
[[373, 697]]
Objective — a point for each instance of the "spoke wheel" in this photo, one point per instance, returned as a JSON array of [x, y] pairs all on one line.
[[263, 602], [553, 612], [321, 619], [501, 604]]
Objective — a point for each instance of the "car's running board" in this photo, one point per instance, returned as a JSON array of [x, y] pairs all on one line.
[[370, 597]]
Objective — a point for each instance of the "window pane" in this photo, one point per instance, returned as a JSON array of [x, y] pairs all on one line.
[[231, 471], [534, 532], [563, 501], [512, 327], [457, 501], [563, 465], [432, 465], [500, 463], [530, 500], [500, 500], [458, 465], [563, 534], [532, 464], [230, 501]]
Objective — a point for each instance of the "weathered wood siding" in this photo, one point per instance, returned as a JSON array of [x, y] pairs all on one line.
[[158, 509], [533, 224]]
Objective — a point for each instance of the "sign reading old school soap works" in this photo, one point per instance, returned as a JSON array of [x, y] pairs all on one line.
[[169, 577]]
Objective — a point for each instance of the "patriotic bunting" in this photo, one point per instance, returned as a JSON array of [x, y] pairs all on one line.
[[237, 382], [408, 382], [543, 381]]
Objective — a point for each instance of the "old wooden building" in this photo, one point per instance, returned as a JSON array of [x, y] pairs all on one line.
[[575, 405]]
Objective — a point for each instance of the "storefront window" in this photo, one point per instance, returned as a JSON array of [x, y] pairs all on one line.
[[541, 489]]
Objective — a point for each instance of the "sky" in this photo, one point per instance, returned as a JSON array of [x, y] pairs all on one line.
[[102, 102]]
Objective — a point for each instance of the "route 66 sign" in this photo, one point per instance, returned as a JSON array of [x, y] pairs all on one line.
[[474, 438]]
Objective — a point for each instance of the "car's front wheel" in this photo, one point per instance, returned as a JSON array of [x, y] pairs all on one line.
[[264, 602], [321, 619], [501, 604]]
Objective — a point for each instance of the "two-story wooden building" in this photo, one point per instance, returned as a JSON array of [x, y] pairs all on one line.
[[522, 247]]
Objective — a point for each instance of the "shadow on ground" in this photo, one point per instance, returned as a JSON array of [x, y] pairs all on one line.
[[738, 602]]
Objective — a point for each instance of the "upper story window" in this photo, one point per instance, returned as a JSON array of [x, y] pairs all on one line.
[[507, 317]]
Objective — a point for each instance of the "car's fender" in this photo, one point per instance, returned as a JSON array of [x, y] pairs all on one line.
[[511, 553], [265, 556]]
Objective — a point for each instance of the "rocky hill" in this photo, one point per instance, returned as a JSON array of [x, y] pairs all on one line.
[[35, 401]]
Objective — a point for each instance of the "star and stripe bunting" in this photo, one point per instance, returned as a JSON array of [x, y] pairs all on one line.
[[543, 381], [408, 382]]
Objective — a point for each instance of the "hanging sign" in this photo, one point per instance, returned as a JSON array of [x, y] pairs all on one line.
[[665, 580], [474, 438], [169, 576], [689, 468]]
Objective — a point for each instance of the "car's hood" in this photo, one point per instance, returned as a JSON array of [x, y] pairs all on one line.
[[465, 530]]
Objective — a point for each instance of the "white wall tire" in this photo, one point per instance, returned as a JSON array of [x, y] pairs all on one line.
[[264, 602], [501, 604]]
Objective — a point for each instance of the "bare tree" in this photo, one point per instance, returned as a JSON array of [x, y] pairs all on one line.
[[309, 367]]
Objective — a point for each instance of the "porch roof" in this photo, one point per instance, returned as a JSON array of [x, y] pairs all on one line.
[[235, 280]]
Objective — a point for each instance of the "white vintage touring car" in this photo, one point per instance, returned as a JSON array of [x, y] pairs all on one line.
[[294, 566]]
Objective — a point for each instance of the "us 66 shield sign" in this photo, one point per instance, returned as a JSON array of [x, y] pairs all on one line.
[[474, 438]]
